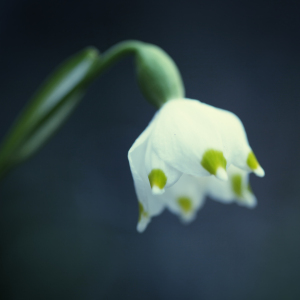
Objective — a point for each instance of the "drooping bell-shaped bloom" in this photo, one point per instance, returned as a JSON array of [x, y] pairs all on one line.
[[191, 150]]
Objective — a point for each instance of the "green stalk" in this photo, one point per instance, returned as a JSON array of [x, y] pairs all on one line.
[[46, 112]]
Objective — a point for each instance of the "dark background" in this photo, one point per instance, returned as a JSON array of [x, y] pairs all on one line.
[[68, 216]]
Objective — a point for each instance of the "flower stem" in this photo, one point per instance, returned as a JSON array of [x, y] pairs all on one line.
[[115, 53], [112, 56], [158, 78]]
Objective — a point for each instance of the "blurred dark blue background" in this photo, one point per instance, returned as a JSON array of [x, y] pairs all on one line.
[[68, 216]]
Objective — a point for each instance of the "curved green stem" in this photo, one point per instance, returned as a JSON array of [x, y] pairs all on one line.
[[158, 78], [22, 131], [112, 56], [117, 52]]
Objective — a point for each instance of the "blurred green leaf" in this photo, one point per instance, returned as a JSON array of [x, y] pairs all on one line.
[[49, 108]]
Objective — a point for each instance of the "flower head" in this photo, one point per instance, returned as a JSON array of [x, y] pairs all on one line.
[[188, 151]]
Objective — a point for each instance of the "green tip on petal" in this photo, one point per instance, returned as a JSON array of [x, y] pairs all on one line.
[[144, 219], [142, 212], [214, 162], [158, 180], [236, 184], [185, 204], [252, 161], [254, 165]]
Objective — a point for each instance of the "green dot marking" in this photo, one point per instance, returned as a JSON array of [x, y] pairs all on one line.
[[158, 178], [252, 161], [236, 184], [185, 204], [142, 212], [212, 160]]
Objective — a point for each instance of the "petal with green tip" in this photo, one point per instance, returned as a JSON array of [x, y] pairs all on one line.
[[160, 174], [136, 156], [183, 132], [212, 161], [185, 204], [254, 165], [143, 219], [186, 197], [157, 179], [236, 183], [236, 189]]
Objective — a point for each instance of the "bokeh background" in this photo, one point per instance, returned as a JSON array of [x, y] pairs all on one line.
[[68, 216]]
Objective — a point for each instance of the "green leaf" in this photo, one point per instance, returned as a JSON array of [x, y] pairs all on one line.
[[49, 108]]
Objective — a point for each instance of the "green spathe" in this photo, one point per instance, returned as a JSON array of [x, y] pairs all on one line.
[[212, 160], [157, 178], [236, 183]]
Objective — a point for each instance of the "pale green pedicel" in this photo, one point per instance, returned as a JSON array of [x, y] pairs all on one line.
[[252, 161], [212, 160], [185, 204], [236, 184], [157, 178]]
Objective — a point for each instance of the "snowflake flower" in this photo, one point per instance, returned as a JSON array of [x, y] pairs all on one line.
[[188, 151]]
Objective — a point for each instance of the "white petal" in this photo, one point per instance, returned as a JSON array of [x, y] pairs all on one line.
[[144, 219], [157, 190], [235, 189], [184, 130], [142, 225], [234, 138], [222, 174], [248, 199], [186, 197], [160, 174], [259, 171], [136, 157]]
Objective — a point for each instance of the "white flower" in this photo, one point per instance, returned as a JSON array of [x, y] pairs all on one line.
[[188, 151]]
